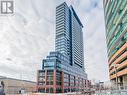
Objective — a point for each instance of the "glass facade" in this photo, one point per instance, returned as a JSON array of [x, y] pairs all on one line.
[[116, 31], [63, 70], [77, 40], [63, 34], [69, 36]]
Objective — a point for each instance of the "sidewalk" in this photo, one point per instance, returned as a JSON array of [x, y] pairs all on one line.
[[118, 92], [46, 94]]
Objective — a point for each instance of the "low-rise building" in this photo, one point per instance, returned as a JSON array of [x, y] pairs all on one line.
[[15, 86]]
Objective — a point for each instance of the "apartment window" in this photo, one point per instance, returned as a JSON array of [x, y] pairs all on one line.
[[50, 72], [49, 83], [49, 90], [49, 65]]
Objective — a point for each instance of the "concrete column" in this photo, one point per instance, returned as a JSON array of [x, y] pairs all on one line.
[[45, 79], [62, 82], [125, 80], [54, 81]]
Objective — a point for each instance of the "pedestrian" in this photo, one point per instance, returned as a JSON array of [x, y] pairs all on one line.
[[2, 88]]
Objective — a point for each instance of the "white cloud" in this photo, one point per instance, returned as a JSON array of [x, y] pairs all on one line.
[[29, 35]]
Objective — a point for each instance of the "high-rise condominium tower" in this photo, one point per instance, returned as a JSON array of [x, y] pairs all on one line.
[[63, 70], [69, 36], [116, 34]]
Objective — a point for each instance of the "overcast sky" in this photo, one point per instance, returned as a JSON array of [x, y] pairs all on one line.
[[29, 35]]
